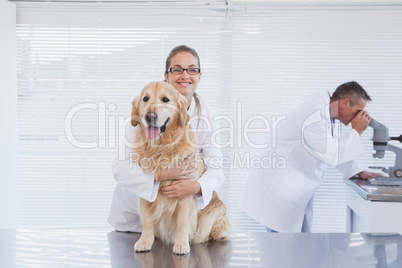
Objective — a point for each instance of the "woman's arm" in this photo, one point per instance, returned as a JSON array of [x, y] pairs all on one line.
[[128, 174], [213, 177]]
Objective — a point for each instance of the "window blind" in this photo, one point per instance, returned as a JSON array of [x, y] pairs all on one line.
[[81, 64], [8, 115]]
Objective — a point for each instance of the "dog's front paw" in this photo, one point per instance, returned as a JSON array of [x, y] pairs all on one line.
[[142, 245], [181, 248], [199, 240]]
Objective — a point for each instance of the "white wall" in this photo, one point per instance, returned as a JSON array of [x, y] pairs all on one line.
[[8, 115]]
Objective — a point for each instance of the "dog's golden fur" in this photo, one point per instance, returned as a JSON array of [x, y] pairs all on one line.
[[174, 221]]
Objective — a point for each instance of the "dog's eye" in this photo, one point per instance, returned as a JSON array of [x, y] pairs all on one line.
[[145, 99], [165, 99]]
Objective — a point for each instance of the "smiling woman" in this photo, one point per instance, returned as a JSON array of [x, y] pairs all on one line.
[[153, 113], [259, 60], [184, 80]]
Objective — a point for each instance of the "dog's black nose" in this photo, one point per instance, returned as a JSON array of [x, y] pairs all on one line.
[[151, 117]]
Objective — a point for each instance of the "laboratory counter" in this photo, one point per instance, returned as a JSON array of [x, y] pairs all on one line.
[[374, 205], [103, 247], [378, 189]]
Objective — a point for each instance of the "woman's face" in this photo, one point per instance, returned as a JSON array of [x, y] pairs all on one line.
[[184, 83]]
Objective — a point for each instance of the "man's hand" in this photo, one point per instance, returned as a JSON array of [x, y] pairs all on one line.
[[180, 170], [364, 175], [361, 121], [181, 188]]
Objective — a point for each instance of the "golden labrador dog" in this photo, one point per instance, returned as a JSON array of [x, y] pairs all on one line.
[[163, 139]]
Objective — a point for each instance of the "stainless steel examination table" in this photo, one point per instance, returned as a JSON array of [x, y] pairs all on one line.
[[103, 247]]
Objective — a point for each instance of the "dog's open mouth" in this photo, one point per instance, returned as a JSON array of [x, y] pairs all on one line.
[[153, 132]]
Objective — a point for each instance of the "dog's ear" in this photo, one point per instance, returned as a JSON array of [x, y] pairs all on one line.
[[135, 117], [183, 115]]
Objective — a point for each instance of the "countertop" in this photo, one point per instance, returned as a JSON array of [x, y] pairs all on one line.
[[103, 247], [375, 192]]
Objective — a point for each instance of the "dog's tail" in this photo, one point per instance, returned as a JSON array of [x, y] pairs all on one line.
[[212, 223]]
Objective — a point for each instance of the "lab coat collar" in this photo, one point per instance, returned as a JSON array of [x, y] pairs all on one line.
[[328, 114], [327, 97], [191, 109]]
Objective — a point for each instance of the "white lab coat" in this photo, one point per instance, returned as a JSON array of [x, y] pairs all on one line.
[[279, 197], [132, 182]]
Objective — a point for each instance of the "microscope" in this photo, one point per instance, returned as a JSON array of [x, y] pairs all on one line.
[[380, 145]]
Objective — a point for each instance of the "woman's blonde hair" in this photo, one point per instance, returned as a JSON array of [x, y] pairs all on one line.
[[174, 52]]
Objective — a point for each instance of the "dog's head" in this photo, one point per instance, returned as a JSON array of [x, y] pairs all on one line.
[[158, 108]]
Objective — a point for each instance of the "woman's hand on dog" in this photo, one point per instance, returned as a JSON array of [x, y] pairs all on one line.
[[180, 175], [181, 170], [181, 188]]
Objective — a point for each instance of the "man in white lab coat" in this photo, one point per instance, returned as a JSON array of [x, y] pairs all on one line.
[[281, 198]]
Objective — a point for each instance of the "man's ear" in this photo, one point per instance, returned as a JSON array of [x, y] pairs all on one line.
[[345, 101], [135, 117], [183, 115]]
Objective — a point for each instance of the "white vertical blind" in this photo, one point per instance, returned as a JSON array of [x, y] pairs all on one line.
[[8, 115], [257, 62], [80, 66]]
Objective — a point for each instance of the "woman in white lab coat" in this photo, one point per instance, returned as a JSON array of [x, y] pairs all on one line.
[[281, 197], [183, 72]]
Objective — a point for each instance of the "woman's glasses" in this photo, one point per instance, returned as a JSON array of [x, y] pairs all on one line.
[[190, 71]]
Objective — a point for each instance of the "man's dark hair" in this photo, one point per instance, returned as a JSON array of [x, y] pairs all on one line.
[[351, 90]]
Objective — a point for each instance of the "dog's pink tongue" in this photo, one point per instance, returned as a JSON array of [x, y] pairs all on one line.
[[152, 132]]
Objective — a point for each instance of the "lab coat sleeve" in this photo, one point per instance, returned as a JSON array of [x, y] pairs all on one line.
[[213, 178], [128, 174], [349, 169], [318, 140]]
